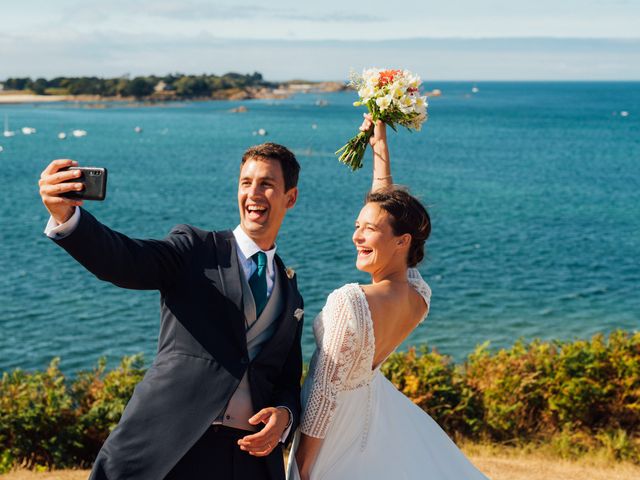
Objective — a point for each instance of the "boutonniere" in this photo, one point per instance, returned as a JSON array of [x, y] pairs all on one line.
[[290, 273]]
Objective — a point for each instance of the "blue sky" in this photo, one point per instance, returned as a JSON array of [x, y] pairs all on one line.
[[453, 39]]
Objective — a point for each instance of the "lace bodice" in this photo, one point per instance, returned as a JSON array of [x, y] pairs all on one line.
[[345, 348]]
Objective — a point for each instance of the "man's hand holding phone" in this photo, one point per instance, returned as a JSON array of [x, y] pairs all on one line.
[[53, 183]]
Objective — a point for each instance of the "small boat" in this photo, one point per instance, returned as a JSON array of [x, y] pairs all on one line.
[[62, 136], [624, 113], [79, 133], [475, 89], [7, 133], [138, 129], [321, 102], [1, 149], [262, 132], [28, 130]]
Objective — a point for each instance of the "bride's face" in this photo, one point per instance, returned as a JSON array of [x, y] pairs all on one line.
[[375, 241]]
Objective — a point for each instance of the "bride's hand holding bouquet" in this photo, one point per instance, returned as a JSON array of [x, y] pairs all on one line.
[[391, 96]]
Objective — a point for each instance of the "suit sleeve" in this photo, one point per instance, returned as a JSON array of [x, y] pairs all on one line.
[[126, 262], [287, 392]]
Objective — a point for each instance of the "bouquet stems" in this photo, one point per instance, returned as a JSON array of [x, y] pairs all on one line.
[[353, 151]]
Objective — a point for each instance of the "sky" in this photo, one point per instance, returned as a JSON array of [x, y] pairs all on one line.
[[447, 40]]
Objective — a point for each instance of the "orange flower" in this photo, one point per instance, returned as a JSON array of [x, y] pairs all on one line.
[[387, 76]]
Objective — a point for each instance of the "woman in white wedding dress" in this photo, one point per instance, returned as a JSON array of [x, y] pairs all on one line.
[[356, 424]]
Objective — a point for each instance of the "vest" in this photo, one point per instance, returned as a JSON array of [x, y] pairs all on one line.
[[258, 330]]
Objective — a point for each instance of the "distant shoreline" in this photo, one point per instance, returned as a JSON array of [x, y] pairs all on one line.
[[285, 90]]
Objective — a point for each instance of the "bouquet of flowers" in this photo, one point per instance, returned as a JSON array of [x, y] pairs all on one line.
[[392, 96]]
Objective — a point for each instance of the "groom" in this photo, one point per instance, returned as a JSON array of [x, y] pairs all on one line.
[[222, 394]]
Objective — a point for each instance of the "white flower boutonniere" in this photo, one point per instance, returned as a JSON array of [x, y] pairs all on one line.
[[290, 272]]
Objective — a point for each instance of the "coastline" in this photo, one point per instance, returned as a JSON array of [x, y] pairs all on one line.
[[284, 90]]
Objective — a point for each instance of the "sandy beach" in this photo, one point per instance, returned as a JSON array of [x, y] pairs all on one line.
[[12, 98]]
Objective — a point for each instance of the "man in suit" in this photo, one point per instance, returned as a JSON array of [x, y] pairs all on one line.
[[222, 394]]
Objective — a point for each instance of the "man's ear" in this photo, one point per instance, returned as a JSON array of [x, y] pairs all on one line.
[[292, 197]]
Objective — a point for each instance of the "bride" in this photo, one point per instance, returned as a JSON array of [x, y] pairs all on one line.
[[355, 424]]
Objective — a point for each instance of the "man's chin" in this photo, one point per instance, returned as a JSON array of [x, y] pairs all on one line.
[[253, 227]]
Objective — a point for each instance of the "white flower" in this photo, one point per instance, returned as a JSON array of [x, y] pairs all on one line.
[[384, 102], [396, 91], [290, 273], [366, 92]]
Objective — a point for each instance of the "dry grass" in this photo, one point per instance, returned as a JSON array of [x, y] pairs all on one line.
[[496, 462], [501, 463]]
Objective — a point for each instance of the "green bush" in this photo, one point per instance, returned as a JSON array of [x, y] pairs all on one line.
[[580, 397], [37, 419], [434, 383], [48, 421]]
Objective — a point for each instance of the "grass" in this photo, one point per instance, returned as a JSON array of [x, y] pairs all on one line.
[[497, 462]]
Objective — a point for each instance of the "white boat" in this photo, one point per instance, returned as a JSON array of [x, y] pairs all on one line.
[[28, 130], [1, 149], [624, 113], [62, 136], [475, 90], [138, 129], [7, 132], [79, 133], [262, 132]]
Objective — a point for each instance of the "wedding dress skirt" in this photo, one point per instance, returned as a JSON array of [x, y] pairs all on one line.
[[371, 431], [377, 433]]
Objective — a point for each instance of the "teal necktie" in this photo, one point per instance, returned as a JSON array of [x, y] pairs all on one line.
[[258, 282]]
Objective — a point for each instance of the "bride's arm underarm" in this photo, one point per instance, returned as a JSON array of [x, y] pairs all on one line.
[[307, 453]]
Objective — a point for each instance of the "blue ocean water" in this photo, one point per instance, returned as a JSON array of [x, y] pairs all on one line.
[[533, 188]]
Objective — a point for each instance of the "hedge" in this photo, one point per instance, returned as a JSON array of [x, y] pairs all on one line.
[[575, 396]]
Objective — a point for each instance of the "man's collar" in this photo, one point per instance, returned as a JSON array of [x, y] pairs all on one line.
[[248, 247]]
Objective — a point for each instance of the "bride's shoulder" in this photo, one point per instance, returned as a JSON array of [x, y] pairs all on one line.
[[350, 294]]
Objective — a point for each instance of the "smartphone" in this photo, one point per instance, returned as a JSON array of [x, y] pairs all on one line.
[[94, 180]]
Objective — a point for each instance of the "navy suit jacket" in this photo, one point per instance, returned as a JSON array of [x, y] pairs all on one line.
[[202, 350]]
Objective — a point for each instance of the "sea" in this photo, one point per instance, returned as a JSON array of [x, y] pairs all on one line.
[[533, 190]]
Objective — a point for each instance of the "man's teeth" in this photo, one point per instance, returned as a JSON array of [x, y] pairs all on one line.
[[256, 208]]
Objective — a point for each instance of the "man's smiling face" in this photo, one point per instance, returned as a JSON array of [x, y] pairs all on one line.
[[262, 200]]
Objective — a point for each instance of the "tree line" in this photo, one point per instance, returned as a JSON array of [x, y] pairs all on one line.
[[178, 85]]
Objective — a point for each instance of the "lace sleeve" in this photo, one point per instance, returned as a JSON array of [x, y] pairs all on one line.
[[332, 363], [416, 281]]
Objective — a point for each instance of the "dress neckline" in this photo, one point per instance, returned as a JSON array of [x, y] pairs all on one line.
[[373, 332]]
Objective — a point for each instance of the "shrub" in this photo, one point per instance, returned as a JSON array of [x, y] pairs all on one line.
[[575, 398]]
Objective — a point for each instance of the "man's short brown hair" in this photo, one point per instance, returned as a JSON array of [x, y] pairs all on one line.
[[281, 154]]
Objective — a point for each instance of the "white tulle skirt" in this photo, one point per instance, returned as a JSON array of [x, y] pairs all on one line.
[[377, 433]]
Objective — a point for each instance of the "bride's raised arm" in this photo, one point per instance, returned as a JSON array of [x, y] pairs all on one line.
[[381, 160]]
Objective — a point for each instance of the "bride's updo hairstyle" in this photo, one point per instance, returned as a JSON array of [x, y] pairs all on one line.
[[408, 215]]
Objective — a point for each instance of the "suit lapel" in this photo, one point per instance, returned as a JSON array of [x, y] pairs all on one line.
[[286, 320], [231, 280]]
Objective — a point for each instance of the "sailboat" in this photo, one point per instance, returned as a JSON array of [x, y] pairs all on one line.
[[7, 132]]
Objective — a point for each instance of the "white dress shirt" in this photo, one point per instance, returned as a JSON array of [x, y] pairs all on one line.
[[246, 249]]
